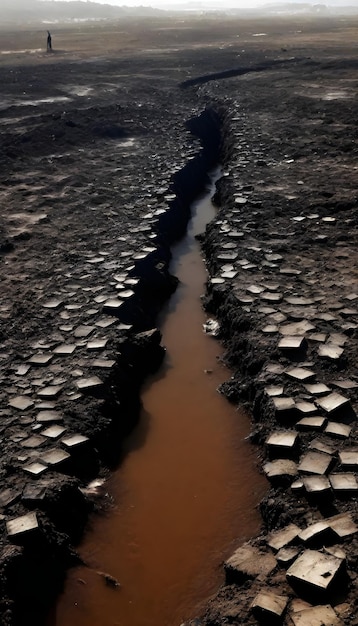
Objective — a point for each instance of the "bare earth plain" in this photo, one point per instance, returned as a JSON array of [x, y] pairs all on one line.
[[104, 143]]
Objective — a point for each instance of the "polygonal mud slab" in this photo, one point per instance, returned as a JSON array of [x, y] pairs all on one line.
[[290, 271], [55, 456], [243, 299], [315, 463], [296, 328], [317, 389], [96, 344], [274, 391], [316, 534], [40, 359], [35, 469], [322, 615], [330, 351], [103, 363], [336, 429], [282, 538], [348, 312], [348, 458], [269, 296], [299, 301], [317, 485], [228, 256], [338, 338], [333, 402], [255, 289], [229, 274], [49, 416], [128, 293], [270, 329], [34, 493], [282, 441], [54, 432], [335, 550], [285, 408], [86, 384], [277, 318], [311, 423], [315, 574], [249, 562], [217, 281], [344, 482], [21, 403], [113, 305], [297, 604], [300, 374], [74, 440], [8, 497], [326, 317], [306, 408], [83, 331], [345, 384], [52, 391], [321, 446], [319, 337], [291, 343], [52, 304], [266, 310], [281, 469], [286, 556], [271, 286], [22, 525], [65, 349], [343, 524], [297, 486], [283, 404], [22, 370], [33, 442], [268, 605]]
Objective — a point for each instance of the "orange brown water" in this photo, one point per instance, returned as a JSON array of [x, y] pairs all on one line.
[[187, 489]]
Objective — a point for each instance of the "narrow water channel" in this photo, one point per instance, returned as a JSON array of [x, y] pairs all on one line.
[[187, 489]]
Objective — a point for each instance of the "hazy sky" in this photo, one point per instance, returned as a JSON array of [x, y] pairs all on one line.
[[215, 3], [205, 4], [167, 3]]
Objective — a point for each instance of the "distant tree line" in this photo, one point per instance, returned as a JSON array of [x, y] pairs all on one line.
[[42, 10]]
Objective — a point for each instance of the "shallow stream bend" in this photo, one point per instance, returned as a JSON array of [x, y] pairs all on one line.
[[187, 489]]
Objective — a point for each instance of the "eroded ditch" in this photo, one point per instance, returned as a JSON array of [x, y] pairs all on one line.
[[40, 548], [186, 492], [47, 511]]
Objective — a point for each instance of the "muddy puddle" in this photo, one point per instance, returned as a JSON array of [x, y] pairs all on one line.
[[186, 492]]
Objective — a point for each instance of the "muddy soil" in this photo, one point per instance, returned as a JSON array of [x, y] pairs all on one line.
[[104, 143]]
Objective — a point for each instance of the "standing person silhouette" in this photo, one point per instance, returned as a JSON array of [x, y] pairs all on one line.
[[49, 41]]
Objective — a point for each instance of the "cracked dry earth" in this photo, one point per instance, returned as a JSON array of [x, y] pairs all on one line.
[[85, 178], [283, 262]]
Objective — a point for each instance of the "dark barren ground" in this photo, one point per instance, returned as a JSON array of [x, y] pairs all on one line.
[[98, 166]]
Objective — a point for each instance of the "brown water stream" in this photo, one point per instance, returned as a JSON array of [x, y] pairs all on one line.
[[187, 489]]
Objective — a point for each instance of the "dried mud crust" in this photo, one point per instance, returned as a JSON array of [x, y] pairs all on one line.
[[282, 257], [93, 190], [97, 171]]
